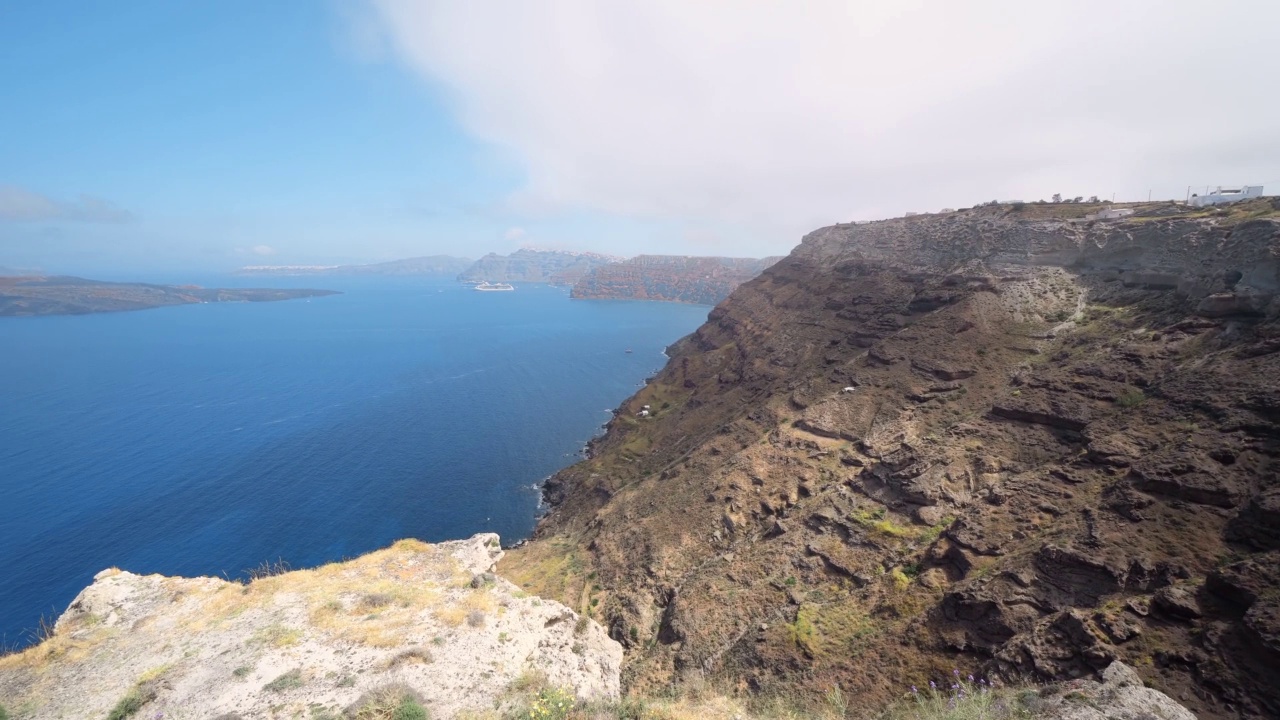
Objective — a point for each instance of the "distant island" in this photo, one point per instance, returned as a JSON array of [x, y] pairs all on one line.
[[673, 278], [556, 267], [670, 278], [62, 295], [437, 265]]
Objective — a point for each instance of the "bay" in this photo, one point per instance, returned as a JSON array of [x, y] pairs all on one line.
[[206, 439]]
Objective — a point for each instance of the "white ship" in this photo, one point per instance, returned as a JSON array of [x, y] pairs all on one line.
[[486, 287]]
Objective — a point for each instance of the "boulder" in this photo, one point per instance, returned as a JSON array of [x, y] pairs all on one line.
[[1231, 304], [1121, 695], [1258, 524], [1177, 602]]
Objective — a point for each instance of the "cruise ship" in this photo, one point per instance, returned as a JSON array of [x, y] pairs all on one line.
[[486, 287]]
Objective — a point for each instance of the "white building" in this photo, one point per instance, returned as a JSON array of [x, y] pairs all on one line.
[[1226, 195]]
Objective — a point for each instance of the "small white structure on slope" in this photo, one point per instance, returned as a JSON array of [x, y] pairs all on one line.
[[847, 390], [1226, 195]]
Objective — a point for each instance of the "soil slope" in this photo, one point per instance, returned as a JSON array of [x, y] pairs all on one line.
[[999, 440]]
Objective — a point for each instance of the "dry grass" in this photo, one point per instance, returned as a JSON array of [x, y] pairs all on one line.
[[553, 569], [277, 635]]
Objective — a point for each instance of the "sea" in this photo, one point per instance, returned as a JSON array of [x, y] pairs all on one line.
[[209, 439]]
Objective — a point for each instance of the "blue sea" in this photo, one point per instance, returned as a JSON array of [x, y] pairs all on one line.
[[206, 439]]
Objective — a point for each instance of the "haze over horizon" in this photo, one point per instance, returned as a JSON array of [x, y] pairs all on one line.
[[151, 136]]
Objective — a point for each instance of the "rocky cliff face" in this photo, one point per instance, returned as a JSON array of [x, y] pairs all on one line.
[[674, 278], [428, 622], [538, 266], [992, 440]]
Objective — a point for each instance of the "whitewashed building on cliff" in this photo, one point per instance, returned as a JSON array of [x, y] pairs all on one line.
[[1226, 195]]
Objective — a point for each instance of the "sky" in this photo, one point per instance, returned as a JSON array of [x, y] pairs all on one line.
[[211, 134]]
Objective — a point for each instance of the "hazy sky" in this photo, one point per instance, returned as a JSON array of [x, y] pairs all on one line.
[[161, 135]]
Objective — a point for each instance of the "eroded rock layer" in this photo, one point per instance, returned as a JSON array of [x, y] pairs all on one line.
[[1026, 447]]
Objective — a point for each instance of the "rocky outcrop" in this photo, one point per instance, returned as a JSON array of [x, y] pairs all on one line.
[[1022, 445], [425, 621], [1119, 696], [556, 267], [673, 278]]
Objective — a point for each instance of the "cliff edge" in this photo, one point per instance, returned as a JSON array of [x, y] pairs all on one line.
[[414, 623], [1007, 439]]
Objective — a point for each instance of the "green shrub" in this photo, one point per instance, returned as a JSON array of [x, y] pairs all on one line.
[[389, 702], [409, 709], [288, 681], [550, 704], [1131, 399], [131, 703], [4, 714]]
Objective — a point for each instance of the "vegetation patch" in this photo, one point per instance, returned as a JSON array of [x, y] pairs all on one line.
[[963, 698], [1131, 399], [549, 704], [277, 635], [133, 701], [396, 701], [288, 681]]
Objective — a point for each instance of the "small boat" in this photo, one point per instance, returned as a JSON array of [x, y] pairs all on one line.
[[628, 351]]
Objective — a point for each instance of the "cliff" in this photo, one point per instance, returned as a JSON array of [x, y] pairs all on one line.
[[537, 266], [997, 439], [675, 278], [77, 296], [411, 625]]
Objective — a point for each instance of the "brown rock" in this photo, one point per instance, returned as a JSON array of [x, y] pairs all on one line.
[[1178, 602]]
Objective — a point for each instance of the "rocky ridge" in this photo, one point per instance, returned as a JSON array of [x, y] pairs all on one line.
[[432, 621], [538, 266], [673, 278], [996, 439]]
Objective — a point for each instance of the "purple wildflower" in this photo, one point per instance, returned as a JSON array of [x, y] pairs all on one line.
[[914, 691], [956, 672], [970, 678], [933, 685]]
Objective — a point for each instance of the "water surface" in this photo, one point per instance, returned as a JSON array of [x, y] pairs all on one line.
[[205, 439]]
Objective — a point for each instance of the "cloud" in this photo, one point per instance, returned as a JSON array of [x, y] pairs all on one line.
[[21, 205], [789, 115], [263, 250], [514, 233]]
